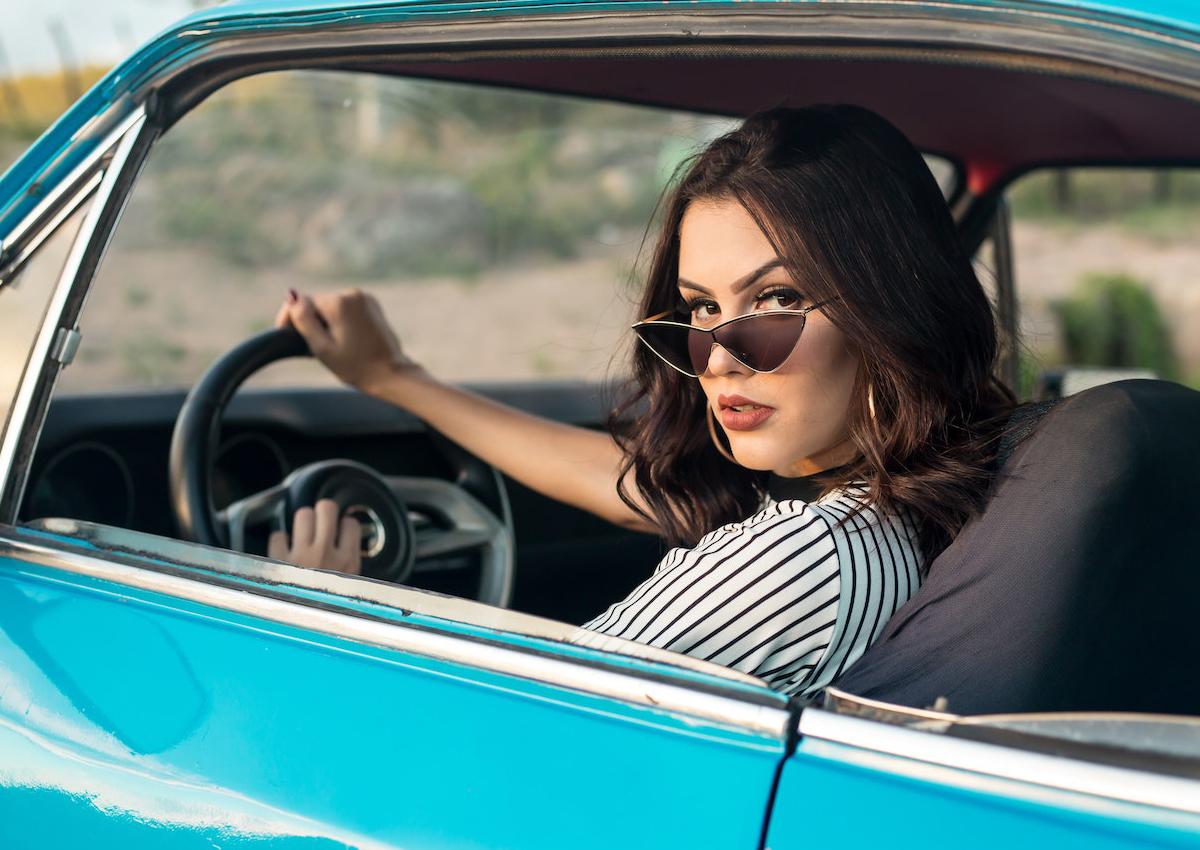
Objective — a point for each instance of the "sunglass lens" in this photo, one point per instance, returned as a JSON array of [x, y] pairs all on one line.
[[762, 342], [699, 345], [671, 343]]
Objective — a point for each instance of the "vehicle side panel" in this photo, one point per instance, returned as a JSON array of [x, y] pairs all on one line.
[[132, 719], [836, 793]]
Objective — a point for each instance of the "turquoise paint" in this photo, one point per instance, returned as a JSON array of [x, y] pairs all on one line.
[[257, 732], [872, 800], [416, 619], [1184, 14]]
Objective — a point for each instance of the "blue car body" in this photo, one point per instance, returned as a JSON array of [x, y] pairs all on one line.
[[168, 695]]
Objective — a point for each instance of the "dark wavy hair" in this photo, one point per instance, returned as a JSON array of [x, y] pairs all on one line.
[[852, 210]]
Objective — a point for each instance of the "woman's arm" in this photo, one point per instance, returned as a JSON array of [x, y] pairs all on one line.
[[348, 333]]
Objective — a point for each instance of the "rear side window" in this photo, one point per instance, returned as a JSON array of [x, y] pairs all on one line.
[[1105, 263]]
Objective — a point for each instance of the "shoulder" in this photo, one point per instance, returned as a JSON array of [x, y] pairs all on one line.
[[844, 522], [879, 561], [789, 524], [850, 514], [867, 537]]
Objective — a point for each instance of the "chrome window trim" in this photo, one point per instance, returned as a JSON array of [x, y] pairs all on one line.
[[996, 761], [120, 143], [66, 206], [654, 692], [14, 262]]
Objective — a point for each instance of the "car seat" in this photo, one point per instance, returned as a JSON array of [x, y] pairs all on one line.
[[1078, 587]]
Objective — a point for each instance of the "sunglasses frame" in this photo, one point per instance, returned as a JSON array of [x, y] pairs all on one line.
[[658, 321]]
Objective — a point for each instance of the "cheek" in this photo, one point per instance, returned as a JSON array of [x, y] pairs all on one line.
[[826, 371], [828, 359]]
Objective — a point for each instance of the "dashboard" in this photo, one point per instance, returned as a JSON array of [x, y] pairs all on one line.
[[103, 458]]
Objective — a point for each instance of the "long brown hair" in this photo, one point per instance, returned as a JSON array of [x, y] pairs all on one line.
[[852, 210]]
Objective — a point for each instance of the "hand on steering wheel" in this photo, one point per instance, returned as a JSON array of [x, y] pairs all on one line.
[[348, 333], [459, 522], [321, 538]]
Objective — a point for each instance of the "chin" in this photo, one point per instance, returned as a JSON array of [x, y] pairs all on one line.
[[756, 458]]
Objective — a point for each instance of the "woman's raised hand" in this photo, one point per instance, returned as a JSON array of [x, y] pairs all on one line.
[[348, 333], [320, 540]]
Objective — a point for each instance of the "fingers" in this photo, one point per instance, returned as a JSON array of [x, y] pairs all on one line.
[[349, 546], [283, 319], [347, 332], [320, 540], [278, 546], [326, 514], [304, 529], [304, 317], [338, 539]]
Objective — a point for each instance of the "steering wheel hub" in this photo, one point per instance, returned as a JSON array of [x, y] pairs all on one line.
[[387, 541], [390, 548], [373, 538]]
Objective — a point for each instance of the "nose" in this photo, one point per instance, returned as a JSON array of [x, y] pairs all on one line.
[[721, 362]]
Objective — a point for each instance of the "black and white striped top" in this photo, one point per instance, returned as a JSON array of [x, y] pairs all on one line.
[[793, 594]]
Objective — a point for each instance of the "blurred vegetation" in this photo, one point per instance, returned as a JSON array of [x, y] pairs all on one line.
[[365, 177], [368, 177], [32, 102], [1112, 320], [1162, 205]]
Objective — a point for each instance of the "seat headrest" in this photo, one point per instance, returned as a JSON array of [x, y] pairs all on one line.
[[1078, 587]]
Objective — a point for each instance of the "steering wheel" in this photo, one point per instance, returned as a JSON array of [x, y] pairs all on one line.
[[391, 548]]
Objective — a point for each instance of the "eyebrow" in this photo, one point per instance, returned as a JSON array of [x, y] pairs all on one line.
[[739, 285]]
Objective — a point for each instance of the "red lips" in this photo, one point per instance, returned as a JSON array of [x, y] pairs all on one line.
[[742, 414]]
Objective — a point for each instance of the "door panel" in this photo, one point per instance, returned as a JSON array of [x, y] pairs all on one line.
[[130, 719], [859, 794]]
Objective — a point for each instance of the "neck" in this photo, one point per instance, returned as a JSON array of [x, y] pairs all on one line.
[[838, 455]]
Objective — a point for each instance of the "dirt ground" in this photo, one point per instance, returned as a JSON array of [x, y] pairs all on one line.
[[159, 315]]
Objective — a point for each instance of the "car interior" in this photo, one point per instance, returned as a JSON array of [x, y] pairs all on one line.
[[442, 188], [485, 296]]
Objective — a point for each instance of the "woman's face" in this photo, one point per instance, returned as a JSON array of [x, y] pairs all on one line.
[[791, 421]]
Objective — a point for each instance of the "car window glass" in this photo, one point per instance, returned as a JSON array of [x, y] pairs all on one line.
[[499, 229], [1105, 264], [23, 303]]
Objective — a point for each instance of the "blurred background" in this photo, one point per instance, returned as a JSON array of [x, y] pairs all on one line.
[[51, 51], [1105, 260]]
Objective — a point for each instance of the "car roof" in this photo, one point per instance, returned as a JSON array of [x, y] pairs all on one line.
[[996, 85], [1000, 87], [1174, 13]]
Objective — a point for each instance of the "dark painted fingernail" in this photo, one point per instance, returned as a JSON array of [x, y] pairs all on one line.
[[292, 296]]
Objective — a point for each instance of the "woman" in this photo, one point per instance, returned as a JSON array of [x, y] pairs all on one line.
[[815, 413]]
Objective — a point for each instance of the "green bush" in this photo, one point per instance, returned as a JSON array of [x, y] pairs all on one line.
[[1112, 320]]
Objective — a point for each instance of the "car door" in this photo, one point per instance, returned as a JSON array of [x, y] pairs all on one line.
[[158, 695], [871, 775]]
